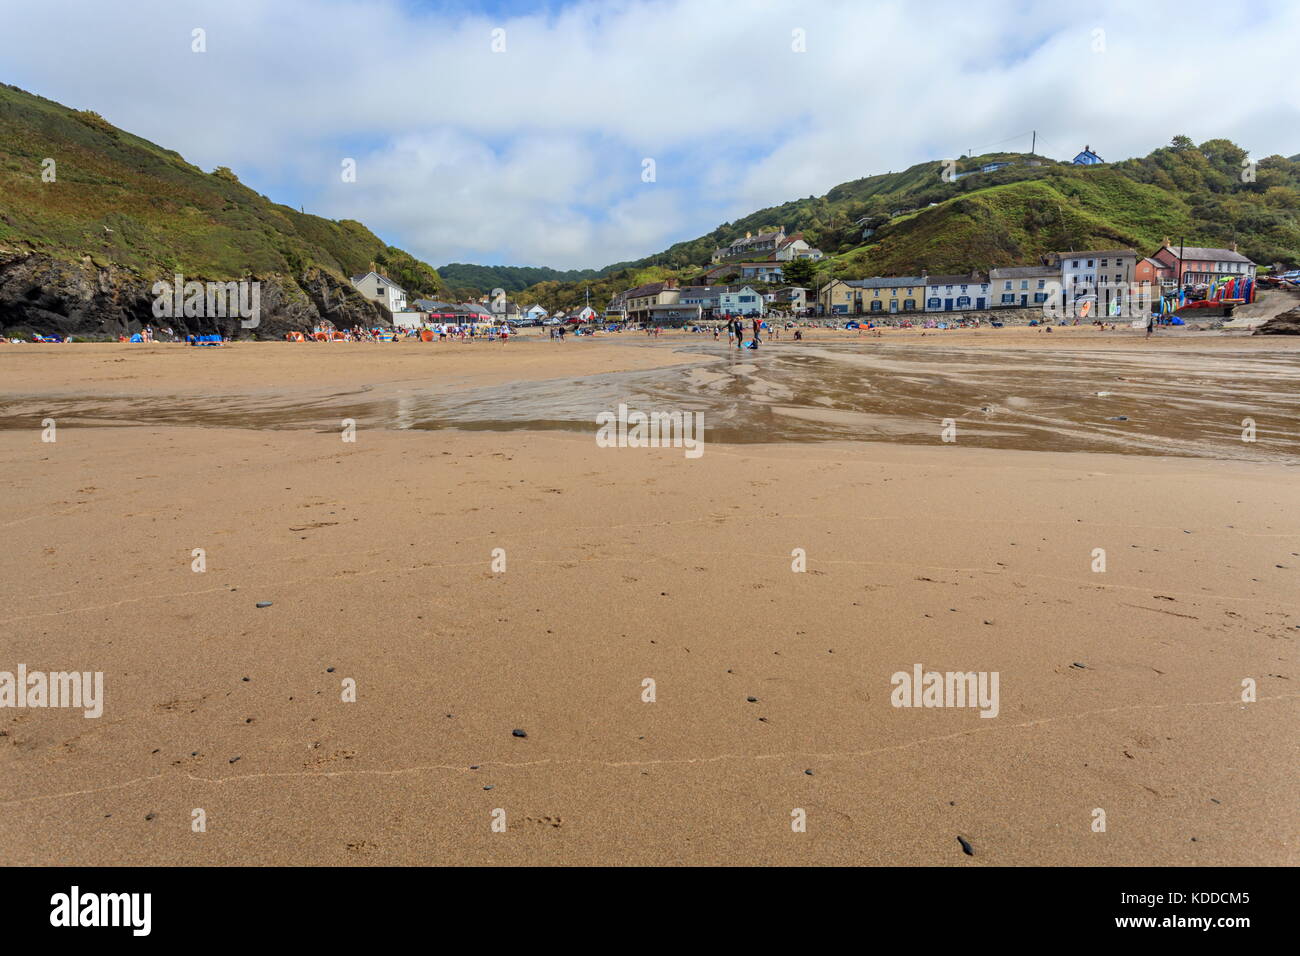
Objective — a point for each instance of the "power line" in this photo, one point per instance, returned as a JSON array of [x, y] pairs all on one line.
[[1007, 140]]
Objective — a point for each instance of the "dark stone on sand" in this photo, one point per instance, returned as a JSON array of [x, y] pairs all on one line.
[[752, 700], [1286, 323], [488, 787], [1081, 667], [518, 733], [329, 670], [965, 847], [264, 603], [1119, 418], [150, 816], [233, 759], [808, 772]]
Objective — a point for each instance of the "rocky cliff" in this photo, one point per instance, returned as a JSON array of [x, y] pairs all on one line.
[[39, 294]]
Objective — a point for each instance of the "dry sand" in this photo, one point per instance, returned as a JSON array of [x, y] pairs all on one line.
[[1118, 690]]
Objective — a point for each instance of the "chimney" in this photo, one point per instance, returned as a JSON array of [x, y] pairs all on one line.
[[1234, 246], [748, 234]]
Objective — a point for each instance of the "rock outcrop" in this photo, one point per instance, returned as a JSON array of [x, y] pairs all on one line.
[[1286, 323], [88, 299]]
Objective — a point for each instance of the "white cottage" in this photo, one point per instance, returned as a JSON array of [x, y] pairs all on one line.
[[381, 289]]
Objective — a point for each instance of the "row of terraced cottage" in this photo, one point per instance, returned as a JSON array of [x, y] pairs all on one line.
[[1106, 277]]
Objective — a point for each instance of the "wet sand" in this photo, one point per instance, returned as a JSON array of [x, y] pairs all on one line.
[[1118, 690]]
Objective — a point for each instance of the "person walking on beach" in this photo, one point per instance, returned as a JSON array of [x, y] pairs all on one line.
[[756, 332], [1151, 323]]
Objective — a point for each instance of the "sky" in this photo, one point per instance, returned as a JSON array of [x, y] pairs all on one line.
[[578, 134]]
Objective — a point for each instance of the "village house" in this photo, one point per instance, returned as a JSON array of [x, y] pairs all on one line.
[[381, 289], [752, 246], [1022, 286], [705, 296], [837, 297], [956, 292], [1194, 265], [1103, 276], [1149, 272], [857, 296], [795, 247], [717, 274], [476, 313], [636, 302], [581, 313], [792, 299], [535, 313], [673, 314], [1087, 158], [740, 300], [761, 271]]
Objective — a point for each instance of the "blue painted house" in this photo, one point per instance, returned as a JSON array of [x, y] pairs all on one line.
[[1088, 158]]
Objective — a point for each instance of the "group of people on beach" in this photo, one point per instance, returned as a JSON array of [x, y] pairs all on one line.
[[736, 333]]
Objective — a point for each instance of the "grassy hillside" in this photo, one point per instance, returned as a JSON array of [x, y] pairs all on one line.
[[1195, 194], [512, 278], [122, 200]]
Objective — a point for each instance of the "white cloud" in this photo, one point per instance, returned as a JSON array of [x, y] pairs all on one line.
[[533, 155]]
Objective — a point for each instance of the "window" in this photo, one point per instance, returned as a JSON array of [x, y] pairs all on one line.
[[909, 305], [963, 302], [1074, 264], [1024, 283], [1090, 263], [1040, 297], [1007, 285], [1104, 262], [877, 293], [932, 303], [1042, 283], [1117, 277], [1008, 299], [963, 288]]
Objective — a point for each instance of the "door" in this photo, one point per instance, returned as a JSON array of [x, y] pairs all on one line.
[[947, 305]]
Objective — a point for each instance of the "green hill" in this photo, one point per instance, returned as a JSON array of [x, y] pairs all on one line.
[[1201, 195], [511, 278], [82, 240]]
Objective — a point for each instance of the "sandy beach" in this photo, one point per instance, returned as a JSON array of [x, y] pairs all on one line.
[[1120, 690]]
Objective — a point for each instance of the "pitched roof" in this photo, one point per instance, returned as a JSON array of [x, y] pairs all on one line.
[[967, 279], [761, 237], [1096, 254], [1209, 255], [650, 288], [383, 279], [886, 282], [1023, 272]]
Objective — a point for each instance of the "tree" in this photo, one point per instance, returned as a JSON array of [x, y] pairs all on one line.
[[1181, 143], [800, 272]]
